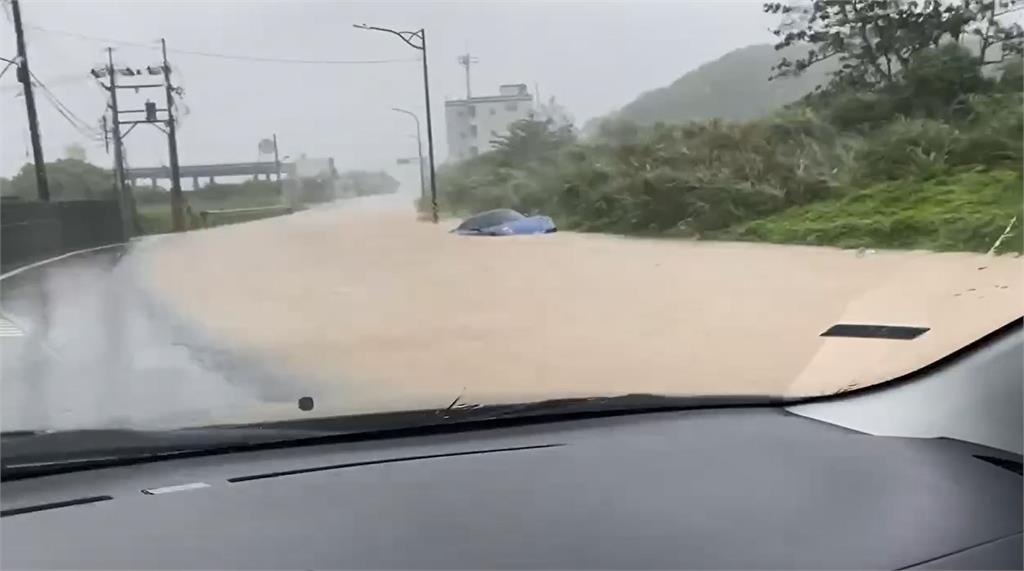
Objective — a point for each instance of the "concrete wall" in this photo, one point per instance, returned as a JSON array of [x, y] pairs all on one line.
[[33, 231]]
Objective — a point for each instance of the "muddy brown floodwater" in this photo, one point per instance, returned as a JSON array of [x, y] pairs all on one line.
[[384, 312]]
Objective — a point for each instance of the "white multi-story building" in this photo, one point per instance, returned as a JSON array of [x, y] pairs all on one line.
[[473, 123]]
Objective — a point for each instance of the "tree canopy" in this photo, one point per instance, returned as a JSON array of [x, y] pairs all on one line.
[[68, 179], [874, 41]]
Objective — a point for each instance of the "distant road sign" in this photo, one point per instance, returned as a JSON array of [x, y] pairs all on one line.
[[267, 147]]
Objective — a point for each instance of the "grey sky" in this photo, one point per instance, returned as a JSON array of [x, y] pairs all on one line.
[[593, 56]]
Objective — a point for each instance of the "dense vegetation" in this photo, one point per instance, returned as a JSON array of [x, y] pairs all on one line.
[[153, 205], [929, 156], [68, 179]]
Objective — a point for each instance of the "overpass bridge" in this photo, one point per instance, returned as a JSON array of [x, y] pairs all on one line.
[[195, 172]]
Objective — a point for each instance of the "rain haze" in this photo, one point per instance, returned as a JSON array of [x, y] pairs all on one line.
[[710, 216], [593, 57]]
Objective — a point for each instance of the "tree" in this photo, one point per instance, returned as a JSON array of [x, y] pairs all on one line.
[[528, 139], [69, 179], [992, 32], [874, 40], [554, 111]]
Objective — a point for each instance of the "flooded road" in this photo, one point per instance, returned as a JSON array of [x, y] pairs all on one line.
[[363, 308], [380, 312]]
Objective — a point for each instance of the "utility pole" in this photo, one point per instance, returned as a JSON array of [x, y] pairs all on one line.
[[177, 200], [277, 162], [277, 174], [25, 76], [151, 116], [127, 216], [466, 60]]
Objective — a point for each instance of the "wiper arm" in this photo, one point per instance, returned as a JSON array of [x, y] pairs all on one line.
[[558, 409], [27, 456]]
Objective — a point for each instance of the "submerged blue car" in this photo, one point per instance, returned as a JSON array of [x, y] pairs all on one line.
[[505, 222]]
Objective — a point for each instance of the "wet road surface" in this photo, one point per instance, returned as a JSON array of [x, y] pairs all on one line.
[[84, 346], [365, 309], [383, 312]]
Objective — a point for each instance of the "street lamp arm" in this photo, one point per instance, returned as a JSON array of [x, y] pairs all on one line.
[[409, 113], [410, 39], [405, 36]]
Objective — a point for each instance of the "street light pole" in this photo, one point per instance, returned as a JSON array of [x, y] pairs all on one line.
[[418, 40], [419, 150]]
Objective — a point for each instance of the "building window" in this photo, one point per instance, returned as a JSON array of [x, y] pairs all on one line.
[[471, 110], [472, 131], [473, 151], [493, 112], [511, 106]]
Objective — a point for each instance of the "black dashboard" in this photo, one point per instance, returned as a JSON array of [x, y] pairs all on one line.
[[701, 489]]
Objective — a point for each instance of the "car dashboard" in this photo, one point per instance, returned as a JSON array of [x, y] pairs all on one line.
[[743, 487]]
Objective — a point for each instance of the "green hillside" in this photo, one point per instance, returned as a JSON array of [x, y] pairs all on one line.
[[734, 86]]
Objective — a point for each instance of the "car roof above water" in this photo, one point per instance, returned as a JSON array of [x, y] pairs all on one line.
[[490, 218]]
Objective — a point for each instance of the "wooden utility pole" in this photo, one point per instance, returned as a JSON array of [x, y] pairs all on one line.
[[25, 77], [127, 216], [177, 200], [277, 161]]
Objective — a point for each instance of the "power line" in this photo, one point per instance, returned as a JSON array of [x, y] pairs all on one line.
[[77, 122], [92, 136], [58, 103], [217, 55]]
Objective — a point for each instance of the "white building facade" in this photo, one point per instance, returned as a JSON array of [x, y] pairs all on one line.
[[473, 123]]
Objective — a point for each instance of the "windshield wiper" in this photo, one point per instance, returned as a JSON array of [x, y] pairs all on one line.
[[27, 455]]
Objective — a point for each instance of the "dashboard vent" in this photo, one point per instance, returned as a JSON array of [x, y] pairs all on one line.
[[1011, 465], [386, 461], [54, 505]]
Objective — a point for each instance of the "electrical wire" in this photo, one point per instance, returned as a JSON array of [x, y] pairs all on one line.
[[216, 55], [91, 135], [83, 128], [64, 109]]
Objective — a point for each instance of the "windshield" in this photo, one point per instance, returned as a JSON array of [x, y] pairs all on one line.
[[237, 212]]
